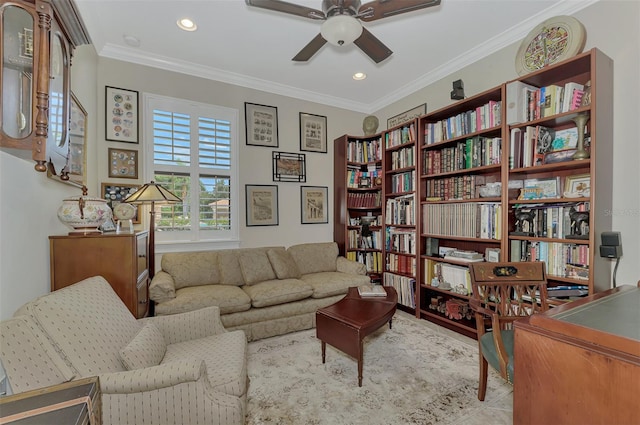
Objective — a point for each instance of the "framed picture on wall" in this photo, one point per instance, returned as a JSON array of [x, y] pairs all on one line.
[[115, 193], [313, 133], [262, 205], [261, 123], [121, 110], [289, 167], [314, 205]]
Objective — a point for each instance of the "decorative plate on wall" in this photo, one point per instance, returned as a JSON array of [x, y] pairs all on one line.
[[554, 40]]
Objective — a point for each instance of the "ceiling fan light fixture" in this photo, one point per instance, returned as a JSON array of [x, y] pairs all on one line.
[[341, 30]]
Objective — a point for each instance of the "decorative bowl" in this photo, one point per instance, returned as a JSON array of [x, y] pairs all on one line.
[[84, 214]]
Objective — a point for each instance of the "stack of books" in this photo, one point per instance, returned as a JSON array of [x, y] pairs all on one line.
[[371, 291], [466, 256]]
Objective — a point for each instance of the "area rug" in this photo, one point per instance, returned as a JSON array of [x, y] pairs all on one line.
[[413, 374]]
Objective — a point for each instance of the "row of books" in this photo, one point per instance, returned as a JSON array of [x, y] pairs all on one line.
[[473, 152], [549, 221], [404, 286], [403, 158], [399, 263], [453, 188], [357, 178], [358, 241], [483, 117], [364, 150], [364, 200], [400, 210], [403, 182], [371, 260], [556, 256], [450, 277], [527, 102], [400, 136], [531, 145], [468, 219], [400, 240]]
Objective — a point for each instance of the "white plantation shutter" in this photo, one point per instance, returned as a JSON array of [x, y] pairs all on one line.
[[193, 154]]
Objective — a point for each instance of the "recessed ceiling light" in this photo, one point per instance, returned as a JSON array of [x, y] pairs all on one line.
[[131, 40], [359, 76], [187, 24]]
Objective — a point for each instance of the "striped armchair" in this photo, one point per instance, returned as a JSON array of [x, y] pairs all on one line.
[[178, 369]]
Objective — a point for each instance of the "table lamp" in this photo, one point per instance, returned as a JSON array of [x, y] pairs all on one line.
[[151, 193]]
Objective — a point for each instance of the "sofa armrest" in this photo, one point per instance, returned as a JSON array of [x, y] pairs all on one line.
[[189, 325], [153, 378], [348, 266], [162, 287], [157, 395]]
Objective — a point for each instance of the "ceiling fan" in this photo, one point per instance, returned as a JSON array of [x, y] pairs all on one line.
[[342, 24]]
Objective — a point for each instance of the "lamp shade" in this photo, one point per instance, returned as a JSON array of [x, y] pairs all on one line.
[[341, 30], [152, 192]]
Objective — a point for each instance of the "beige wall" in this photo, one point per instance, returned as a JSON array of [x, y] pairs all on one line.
[[29, 201]]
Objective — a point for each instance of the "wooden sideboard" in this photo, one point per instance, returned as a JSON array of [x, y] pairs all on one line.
[[580, 363], [121, 258]]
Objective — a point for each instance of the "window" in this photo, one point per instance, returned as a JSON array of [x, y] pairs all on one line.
[[193, 154]]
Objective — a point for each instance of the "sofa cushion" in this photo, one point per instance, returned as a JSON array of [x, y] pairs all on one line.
[[315, 257], [162, 287], [327, 284], [88, 323], [225, 356], [229, 267], [255, 266], [228, 298], [272, 292], [191, 268], [28, 356], [146, 349], [283, 264]]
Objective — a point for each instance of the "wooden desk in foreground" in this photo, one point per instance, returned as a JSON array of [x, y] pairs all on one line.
[[580, 363]]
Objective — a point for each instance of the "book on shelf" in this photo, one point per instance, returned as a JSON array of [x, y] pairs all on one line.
[[516, 102], [568, 95], [462, 255], [371, 291]]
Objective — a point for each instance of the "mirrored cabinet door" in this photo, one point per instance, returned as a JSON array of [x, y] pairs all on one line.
[[18, 47], [38, 38]]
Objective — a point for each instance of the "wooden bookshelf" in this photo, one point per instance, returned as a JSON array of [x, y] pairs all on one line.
[[463, 147]]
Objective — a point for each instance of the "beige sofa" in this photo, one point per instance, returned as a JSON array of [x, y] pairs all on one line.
[[263, 291], [179, 369]]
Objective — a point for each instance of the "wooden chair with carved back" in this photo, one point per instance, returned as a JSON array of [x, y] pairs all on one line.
[[503, 293]]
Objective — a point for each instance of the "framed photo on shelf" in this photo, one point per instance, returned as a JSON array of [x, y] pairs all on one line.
[[262, 205], [108, 226], [314, 205], [123, 163], [546, 188], [313, 133], [289, 167], [121, 115], [261, 123], [115, 193], [577, 186]]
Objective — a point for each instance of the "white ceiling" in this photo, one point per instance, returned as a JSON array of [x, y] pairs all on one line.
[[253, 47]]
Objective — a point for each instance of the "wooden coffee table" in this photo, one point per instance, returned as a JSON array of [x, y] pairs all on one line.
[[345, 324]]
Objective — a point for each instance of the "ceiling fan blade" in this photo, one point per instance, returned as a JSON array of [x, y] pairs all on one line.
[[286, 7], [373, 47], [379, 9], [310, 49]]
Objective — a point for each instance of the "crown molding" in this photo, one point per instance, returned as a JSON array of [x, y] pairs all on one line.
[[494, 44]]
